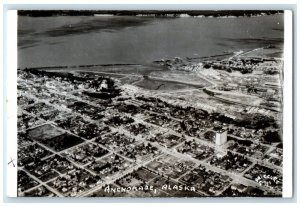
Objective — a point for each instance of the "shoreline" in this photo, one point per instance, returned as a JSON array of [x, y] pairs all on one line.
[[150, 13], [230, 54]]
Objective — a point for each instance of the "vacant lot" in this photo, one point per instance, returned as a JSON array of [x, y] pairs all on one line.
[[161, 85]]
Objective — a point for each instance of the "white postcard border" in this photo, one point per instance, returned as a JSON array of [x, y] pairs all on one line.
[[11, 105]]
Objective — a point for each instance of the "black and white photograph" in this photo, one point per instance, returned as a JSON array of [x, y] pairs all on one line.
[[150, 103]]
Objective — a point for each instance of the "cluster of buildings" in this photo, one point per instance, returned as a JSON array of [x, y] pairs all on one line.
[[170, 166], [206, 181], [115, 140], [140, 152], [30, 153], [166, 140], [110, 166], [239, 190], [265, 176], [74, 142], [25, 182], [49, 168], [85, 153], [195, 150], [247, 148], [230, 162], [73, 183]]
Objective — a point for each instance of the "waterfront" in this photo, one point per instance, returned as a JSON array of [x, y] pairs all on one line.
[[84, 40]]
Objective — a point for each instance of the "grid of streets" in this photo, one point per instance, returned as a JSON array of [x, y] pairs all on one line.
[[74, 142]]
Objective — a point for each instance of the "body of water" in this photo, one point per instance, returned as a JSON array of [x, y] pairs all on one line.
[[80, 40]]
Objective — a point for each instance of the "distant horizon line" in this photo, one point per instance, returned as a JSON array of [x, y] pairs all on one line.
[[159, 13]]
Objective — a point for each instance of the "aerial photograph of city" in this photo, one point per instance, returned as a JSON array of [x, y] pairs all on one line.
[[150, 103]]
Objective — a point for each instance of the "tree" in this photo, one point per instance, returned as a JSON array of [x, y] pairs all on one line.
[[272, 136]]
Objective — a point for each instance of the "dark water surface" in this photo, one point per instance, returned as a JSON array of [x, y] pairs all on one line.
[[79, 40]]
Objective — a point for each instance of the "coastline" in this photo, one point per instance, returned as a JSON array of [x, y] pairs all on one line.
[[153, 77], [152, 13]]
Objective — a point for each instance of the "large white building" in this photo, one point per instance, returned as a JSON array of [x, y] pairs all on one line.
[[221, 137]]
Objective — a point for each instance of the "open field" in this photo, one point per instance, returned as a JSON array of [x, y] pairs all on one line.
[[161, 85], [180, 76]]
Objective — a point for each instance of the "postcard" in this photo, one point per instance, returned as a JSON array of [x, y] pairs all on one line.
[[150, 103]]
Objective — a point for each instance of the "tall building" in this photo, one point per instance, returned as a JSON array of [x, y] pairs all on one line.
[[221, 137]]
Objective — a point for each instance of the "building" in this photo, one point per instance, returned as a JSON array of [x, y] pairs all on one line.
[[221, 137]]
